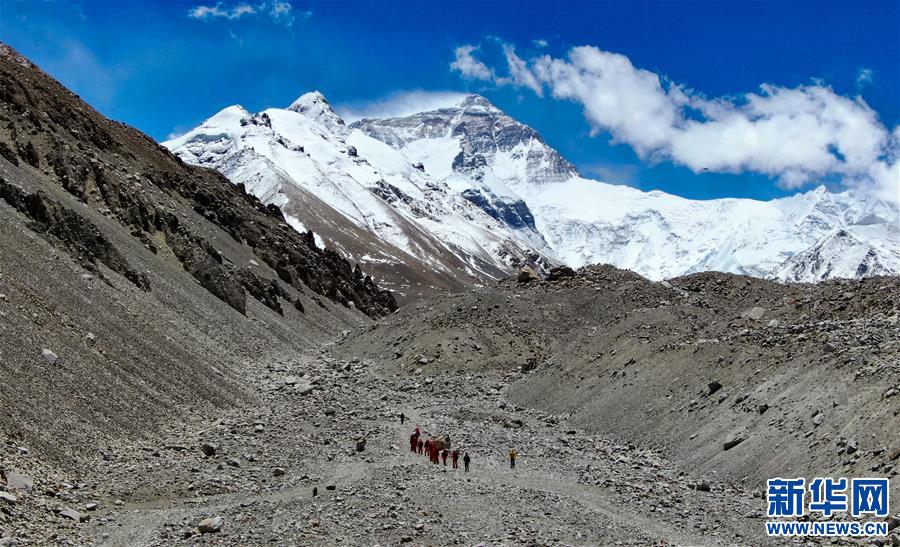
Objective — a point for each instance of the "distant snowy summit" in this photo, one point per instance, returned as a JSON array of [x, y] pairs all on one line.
[[464, 193]]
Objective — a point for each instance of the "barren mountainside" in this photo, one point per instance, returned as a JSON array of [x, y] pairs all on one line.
[[127, 276]]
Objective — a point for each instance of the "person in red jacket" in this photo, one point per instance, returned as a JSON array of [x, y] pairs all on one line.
[[454, 456], [413, 442]]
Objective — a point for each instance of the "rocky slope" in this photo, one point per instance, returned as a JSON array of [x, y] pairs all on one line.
[[803, 377], [644, 414], [133, 288]]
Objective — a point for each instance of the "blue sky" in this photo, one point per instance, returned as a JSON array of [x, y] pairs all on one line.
[[154, 66]]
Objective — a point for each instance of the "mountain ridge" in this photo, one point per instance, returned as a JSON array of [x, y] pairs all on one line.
[[551, 214]]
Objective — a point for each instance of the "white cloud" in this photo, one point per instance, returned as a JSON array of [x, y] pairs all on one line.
[[519, 74], [278, 11], [401, 103], [797, 134], [864, 77], [540, 43], [217, 11], [468, 66]]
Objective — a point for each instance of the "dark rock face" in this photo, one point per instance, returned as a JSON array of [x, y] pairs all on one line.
[[515, 214], [123, 174], [483, 131], [79, 236]]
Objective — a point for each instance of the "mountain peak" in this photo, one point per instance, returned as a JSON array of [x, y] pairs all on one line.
[[314, 105], [309, 100], [477, 101]]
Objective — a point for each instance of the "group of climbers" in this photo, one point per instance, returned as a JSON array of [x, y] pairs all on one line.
[[435, 450]]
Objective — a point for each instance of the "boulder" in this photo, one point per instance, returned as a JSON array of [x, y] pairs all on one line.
[[756, 313], [714, 386], [527, 275], [18, 481], [49, 356], [208, 449], [7, 497], [210, 525], [560, 272]]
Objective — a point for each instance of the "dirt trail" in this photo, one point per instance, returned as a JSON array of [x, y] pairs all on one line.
[[567, 488]]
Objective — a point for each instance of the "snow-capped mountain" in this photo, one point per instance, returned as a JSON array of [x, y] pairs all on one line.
[[485, 155], [361, 196], [465, 193]]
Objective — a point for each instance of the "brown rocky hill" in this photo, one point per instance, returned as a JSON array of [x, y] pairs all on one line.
[[129, 282], [737, 377]]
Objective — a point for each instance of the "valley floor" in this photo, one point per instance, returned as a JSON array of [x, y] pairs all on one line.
[[568, 488]]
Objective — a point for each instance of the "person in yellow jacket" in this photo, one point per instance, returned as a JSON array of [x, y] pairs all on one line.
[[512, 458]]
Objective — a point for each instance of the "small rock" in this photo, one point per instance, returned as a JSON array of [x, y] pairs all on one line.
[[208, 449], [19, 481], [762, 408], [756, 313], [49, 356], [69, 513], [329, 411], [714, 386], [7, 497], [233, 462], [733, 442], [278, 471], [330, 487], [210, 525], [291, 380], [304, 388]]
